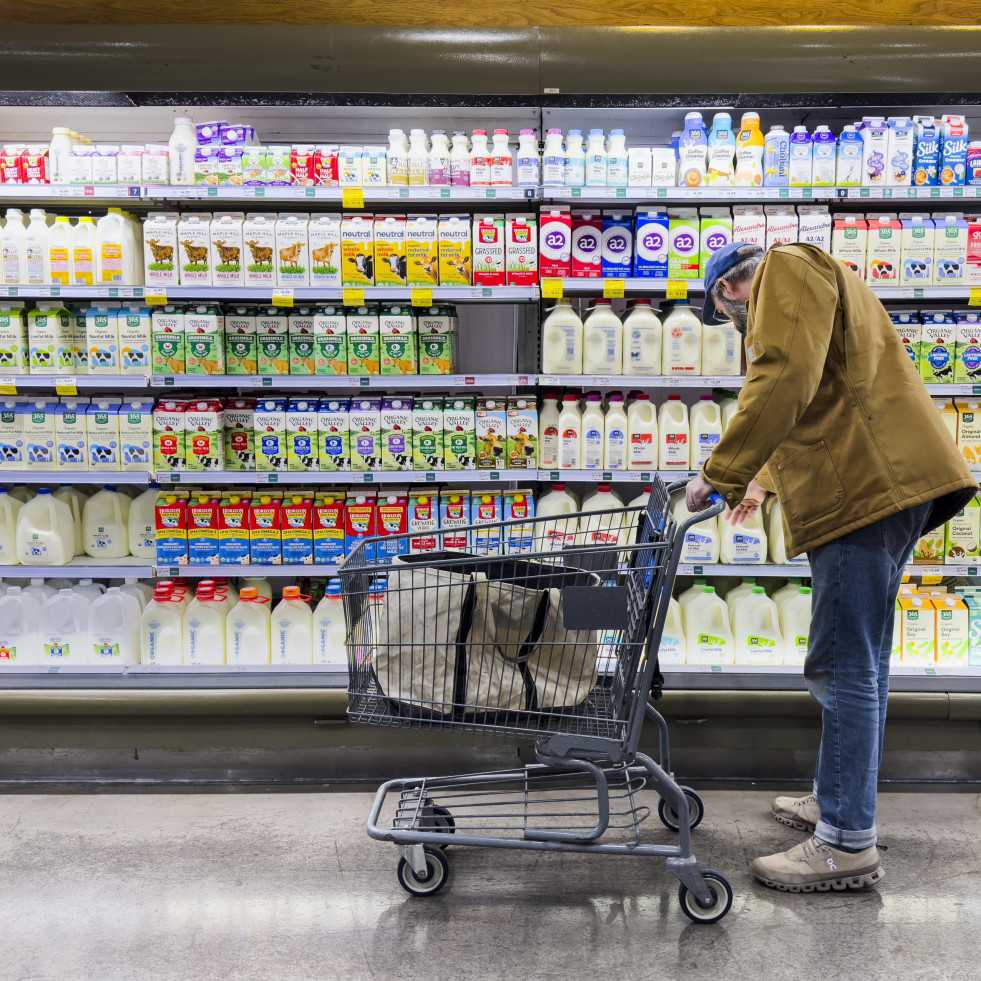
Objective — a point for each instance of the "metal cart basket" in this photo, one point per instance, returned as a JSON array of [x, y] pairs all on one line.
[[553, 639]]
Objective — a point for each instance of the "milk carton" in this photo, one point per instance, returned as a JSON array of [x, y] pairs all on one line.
[[437, 329], [328, 527], [226, 248], [102, 432], [849, 236], [391, 263], [160, 249], [422, 521], [396, 433], [397, 334], [953, 630], [459, 433], [454, 250], [233, 529], [882, 260], [949, 249], [324, 240], [302, 343], [293, 250], [350, 166], [974, 249], [519, 505], [168, 435], [239, 434], [204, 434], [296, 522], [521, 249], [973, 605], [363, 341], [428, 450], [79, 337], [269, 420], [357, 250], [133, 324], [265, 531], [136, 435], [938, 338], [330, 340], [781, 225], [102, 338], [919, 618], [664, 166], [684, 243], [749, 224], [555, 252], [360, 513], [875, 151], [963, 535], [14, 357], [715, 232], [374, 166], [422, 250], [488, 251], [202, 529], [12, 438], [51, 334], [38, 428], [254, 166], [204, 339], [522, 432], [207, 164], [366, 434], [71, 440], [814, 226], [259, 234], [491, 425], [241, 340], [953, 150], [171, 528], [967, 356], [651, 248], [910, 331], [272, 340], [486, 508], [392, 519], [302, 440], [900, 152], [639, 166], [333, 434], [454, 515], [926, 171], [167, 340], [587, 244], [278, 166], [916, 258], [194, 237]]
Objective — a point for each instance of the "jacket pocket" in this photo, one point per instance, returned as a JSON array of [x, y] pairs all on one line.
[[811, 484]]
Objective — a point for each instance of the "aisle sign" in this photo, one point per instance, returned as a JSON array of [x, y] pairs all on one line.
[[677, 289], [614, 289], [282, 298], [422, 296], [353, 296], [352, 197], [551, 289]]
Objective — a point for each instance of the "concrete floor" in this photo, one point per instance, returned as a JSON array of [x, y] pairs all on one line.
[[276, 887]]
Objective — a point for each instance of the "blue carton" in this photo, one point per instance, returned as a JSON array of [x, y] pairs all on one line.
[[651, 250], [617, 246]]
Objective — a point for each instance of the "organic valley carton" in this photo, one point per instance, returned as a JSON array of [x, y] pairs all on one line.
[[160, 250], [949, 249], [390, 259], [937, 342], [302, 444], [919, 630], [325, 250], [438, 344], [488, 250], [240, 434], [849, 237], [227, 245], [168, 435], [963, 535], [422, 521], [269, 420], [396, 433], [522, 432], [491, 433], [521, 249], [422, 250], [884, 250], [459, 433], [233, 529], [454, 515], [136, 435], [204, 339], [293, 250], [296, 522], [204, 439], [328, 527], [916, 260], [398, 337], [272, 341], [333, 434], [330, 340], [357, 250], [366, 434], [302, 343], [967, 356], [241, 349], [684, 236], [259, 235], [587, 244], [194, 237], [910, 332], [167, 340], [969, 431], [363, 341], [428, 452], [953, 630]]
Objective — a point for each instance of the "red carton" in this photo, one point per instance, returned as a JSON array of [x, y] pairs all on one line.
[[359, 518], [171, 528], [325, 166], [392, 518], [302, 166], [587, 244], [34, 165], [10, 165], [555, 244], [297, 520], [328, 529]]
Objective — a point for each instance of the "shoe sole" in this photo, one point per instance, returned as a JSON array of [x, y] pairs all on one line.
[[796, 825], [827, 885]]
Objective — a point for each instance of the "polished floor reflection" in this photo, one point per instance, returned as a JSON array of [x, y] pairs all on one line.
[[288, 886]]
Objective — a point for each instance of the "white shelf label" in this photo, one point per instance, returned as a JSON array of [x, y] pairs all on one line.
[[686, 570]]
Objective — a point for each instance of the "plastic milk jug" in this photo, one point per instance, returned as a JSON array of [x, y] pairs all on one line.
[[795, 624], [9, 509], [75, 501], [642, 450], [615, 434], [45, 531], [88, 588], [776, 537], [721, 151], [617, 162], [182, 147], [398, 158], [548, 432], [705, 427], [749, 152], [708, 636], [248, 629], [41, 590], [63, 632], [785, 593], [553, 159], [502, 161], [729, 408], [161, 635], [682, 344], [329, 629], [691, 593], [693, 151], [134, 588], [601, 524], [60, 252], [292, 629], [553, 536], [258, 583], [721, 348], [575, 159], [701, 540], [672, 649], [593, 433], [673, 435], [738, 592], [480, 159], [562, 341], [570, 434], [114, 628], [602, 341], [20, 616], [105, 524], [36, 249], [636, 521], [141, 526], [756, 627], [642, 332], [203, 628], [84, 252], [596, 159], [744, 544]]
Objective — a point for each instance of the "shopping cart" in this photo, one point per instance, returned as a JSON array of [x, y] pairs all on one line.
[[554, 639]]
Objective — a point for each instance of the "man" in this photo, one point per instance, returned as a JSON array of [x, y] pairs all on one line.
[[835, 420]]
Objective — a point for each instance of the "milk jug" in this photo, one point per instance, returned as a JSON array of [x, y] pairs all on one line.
[[744, 544], [329, 629], [706, 430], [593, 433], [418, 157], [642, 340], [692, 592], [141, 528], [602, 341], [784, 593], [721, 348], [114, 628], [642, 448], [562, 341], [721, 151], [615, 434], [161, 634], [84, 252], [795, 625], [38, 261], [601, 524], [570, 434], [776, 537], [13, 243], [548, 432], [553, 536], [575, 159], [116, 259], [756, 629], [729, 408], [682, 344], [749, 152], [181, 149], [398, 159], [673, 442], [617, 162], [45, 531], [292, 629], [596, 160], [636, 520], [672, 649], [40, 590], [701, 540], [480, 159], [105, 520], [259, 584], [75, 500], [9, 509], [88, 588], [460, 160], [247, 629], [63, 632], [708, 636], [738, 592], [60, 252], [20, 641], [203, 628], [439, 159], [132, 587]]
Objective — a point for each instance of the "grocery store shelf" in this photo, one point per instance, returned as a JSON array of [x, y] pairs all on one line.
[[954, 389], [960, 291], [181, 677], [99, 382], [645, 381], [77, 292], [616, 476], [342, 196], [68, 193], [793, 570], [82, 567], [237, 571], [640, 287], [54, 477], [339, 382], [906, 193], [328, 478], [669, 195]]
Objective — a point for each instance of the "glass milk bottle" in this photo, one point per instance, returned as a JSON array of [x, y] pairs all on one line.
[[480, 160], [181, 149], [460, 160], [562, 341]]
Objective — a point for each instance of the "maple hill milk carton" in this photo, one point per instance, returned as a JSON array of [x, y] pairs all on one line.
[[259, 236], [226, 248], [160, 250], [325, 250]]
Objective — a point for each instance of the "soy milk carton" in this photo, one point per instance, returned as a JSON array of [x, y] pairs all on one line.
[[454, 250], [919, 617], [967, 355], [488, 250], [302, 438], [240, 434], [227, 245], [325, 250], [587, 241], [334, 435], [937, 347], [204, 339], [366, 434], [684, 242], [194, 237], [521, 249], [269, 420], [459, 433], [38, 428], [916, 259], [949, 249], [241, 340], [363, 341], [357, 250], [428, 449], [555, 253], [522, 432], [953, 630], [160, 250], [167, 340], [204, 434], [330, 338], [102, 432], [259, 235], [422, 250], [882, 262], [651, 248], [849, 236], [136, 435], [396, 433]]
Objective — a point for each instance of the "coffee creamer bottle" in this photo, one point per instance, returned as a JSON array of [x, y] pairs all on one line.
[[553, 159], [693, 151], [824, 149], [850, 147], [776, 158], [721, 151], [749, 152]]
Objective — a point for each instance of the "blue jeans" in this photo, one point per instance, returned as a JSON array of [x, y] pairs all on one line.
[[855, 580]]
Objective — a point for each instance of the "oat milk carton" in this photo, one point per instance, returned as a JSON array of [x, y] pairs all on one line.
[[884, 250], [240, 434], [391, 263], [454, 515], [160, 250], [204, 435], [167, 340], [169, 443], [194, 238], [949, 249], [357, 250], [272, 340], [782, 226], [916, 256], [587, 244], [967, 357], [684, 242], [227, 245], [259, 235], [334, 434], [302, 443], [396, 433], [454, 250], [204, 339], [330, 340], [366, 434], [438, 342], [102, 338], [422, 250], [136, 435], [241, 340], [428, 449], [293, 250], [522, 432], [71, 439], [488, 250], [521, 249], [14, 356], [325, 250], [363, 340], [849, 236], [269, 419], [399, 340], [491, 425], [102, 432], [459, 433], [555, 252], [302, 343], [937, 347], [749, 224], [815, 226]]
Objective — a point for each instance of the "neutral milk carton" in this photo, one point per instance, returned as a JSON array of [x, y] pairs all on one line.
[[587, 242], [169, 444], [325, 250], [396, 433], [428, 448], [963, 535], [521, 249], [916, 257], [491, 426], [366, 434], [454, 250], [14, 356], [167, 340], [715, 232], [782, 226], [269, 420], [651, 245], [438, 342], [51, 334], [422, 250], [884, 250], [749, 224], [617, 244], [227, 245], [160, 250], [967, 355], [815, 226], [849, 236], [910, 330], [293, 250], [333, 434], [399, 340], [204, 339], [684, 244], [71, 439], [423, 521], [241, 341], [239, 434], [204, 435], [363, 340], [459, 433], [454, 515], [302, 440], [102, 338], [12, 437], [949, 249], [330, 339], [522, 432], [937, 347], [357, 250], [391, 263], [555, 251], [259, 235], [194, 238], [302, 342], [488, 250], [102, 432], [136, 435]]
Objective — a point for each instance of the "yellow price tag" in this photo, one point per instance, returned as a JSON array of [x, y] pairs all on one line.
[[613, 289], [8, 389], [352, 197], [67, 386], [932, 580], [677, 289], [156, 299], [552, 289], [975, 298], [282, 298], [422, 296], [353, 296]]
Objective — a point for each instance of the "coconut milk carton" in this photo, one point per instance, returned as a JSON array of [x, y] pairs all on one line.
[[293, 250], [684, 239], [782, 226], [269, 419], [399, 348], [937, 347], [428, 448], [241, 350], [363, 341], [488, 250], [521, 249], [391, 263], [555, 252], [303, 345], [651, 249], [71, 441], [302, 441], [204, 428], [949, 249], [587, 244], [259, 234], [617, 244], [849, 237], [454, 250], [963, 535], [160, 250], [396, 433], [14, 357], [240, 434], [953, 150], [204, 339], [366, 434], [330, 339], [454, 515], [136, 435], [884, 250], [325, 250], [967, 356], [459, 433], [102, 338], [167, 340], [226, 248], [422, 250], [357, 250], [168, 435], [102, 432], [333, 434], [194, 237], [491, 426]]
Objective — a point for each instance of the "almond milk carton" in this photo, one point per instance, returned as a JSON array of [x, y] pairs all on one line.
[[391, 263], [366, 434], [422, 250], [293, 250], [204, 339], [885, 245], [204, 428], [160, 250], [428, 449], [270, 435], [454, 250], [396, 433], [325, 250], [521, 249], [334, 435], [916, 254], [194, 237], [226, 248], [259, 234], [240, 434], [330, 338], [488, 250], [849, 237], [357, 250], [241, 349]]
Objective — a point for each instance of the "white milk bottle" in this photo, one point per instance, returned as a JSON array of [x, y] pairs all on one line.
[[59, 155], [460, 160], [553, 536], [602, 341], [602, 523], [730, 406], [329, 629], [181, 149], [673, 649], [21, 492], [203, 627], [84, 251], [9, 509], [247, 629], [114, 250], [480, 159], [615, 434], [692, 592], [777, 537], [553, 159], [45, 531], [706, 430], [292, 629], [593, 433], [105, 520], [529, 164], [642, 434], [398, 159], [258, 583], [617, 165], [60, 252], [502, 162], [786, 592], [418, 157], [114, 628], [756, 628], [636, 520], [439, 159], [161, 634], [642, 331], [596, 159], [548, 432], [575, 159], [721, 349], [702, 540], [562, 341], [133, 587], [142, 524], [13, 243], [20, 641], [75, 500], [682, 341], [570, 434], [674, 445], [38, 260], [708, 636], [795, 625], [744, 544], [63, 631]]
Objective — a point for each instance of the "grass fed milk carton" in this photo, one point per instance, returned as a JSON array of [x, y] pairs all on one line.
[[363, 340], [102, 338], [39, 429], [488, 251], [396, 433], [849, 236], [963, 535], [357, 250], [617, 244], [272, 340], [12, 437], [194, 237], [51, 335], [910, 330], [587, 244], [422, 250], [269, 420], [167, 340], [325, 250], [428, 448], [328, 527], [102, 432], [814, 226], [749, 224], [160, 250], [71, 441], [782, 226], [239, 434], [241, 342], [949, 249], [302, 343], [491, 426], [168, 435], [884, 250], [366, 436], [226, 248], [391, 263], [293, 250], [651, 244], [133, 323], [233, 529], [454, 515], [136, 435], [423, 521], [555, 251], [296, 515], [259, 234], [399, 340], [521, 249], [937, 347], [522, 432], [969, 430], [265, 530], [684, 238], [916, 256], [204, 434], [302, 441], [454, 249], [14, 356], [715, 232], [459, 433], [330, 339], [334, 435], [204, 339], [967, 354], [437, 329]]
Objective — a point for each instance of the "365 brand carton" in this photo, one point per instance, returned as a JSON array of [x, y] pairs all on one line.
[[587, 244], [916, 260], [399, 341], [391, 262], [265, 531], [270, 434], [302, 342], [167, 340], [233, 529], [204, 429], [617, 244], [967, 356], [39, 433], [296, 522], [51, 334], [204, 339], [963, 535], [71, 443], [953, 630], [491, 427], [168, 435], [14, 357], [454, 515], [330, 338], [328, 527], [227, 246], [949, 249], [259, 235], [651, 245], [325, 250], [333, 434], [357, 250], [522, 432], [459, 433], [194, 238], [160, 250], [428, 450], [396, 433], [366, 434], [240, 434], [202, 529], [488, 250], [12, 437], [136, 435], [521, 249], [422, 250], [241, 349], [302, 443], [293, 250], [969, 430], [555, 246], [102, 338], [919, 617], [455, 259], [849, 236], [884, 249], [684, 243], [134, 326], [363, 341], [102, 432], [937, 347]]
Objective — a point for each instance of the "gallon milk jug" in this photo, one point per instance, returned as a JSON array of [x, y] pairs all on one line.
[[132, 587], [705, 427], [553, 536], [681, 348], [292, 629], [593, 433], [738, 592], [636, 520], [89, 589], [776, 538], [329, 630], [75, 500], [729, 408], [673, 442], [9, 509], [641, 435], [104, 524], [84, 251], [795, 625], [708, 636], [601, 523], [45, 531], [701, 540], [141, 526], [787, 592], [21, 492], [161, 635], [548, 432], [247, 629], [203, 628], [692, 592], [642, 333], [40, 590], [756, 628], [20, 641], [570, 434], [60, 252], [257, 583], [562, 341], [672, 649], [114, 628], [63, 631], [721, 349], [744, 544], [615, 434], [602, 351]]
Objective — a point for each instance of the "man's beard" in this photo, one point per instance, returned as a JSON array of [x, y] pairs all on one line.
[[738, 313]]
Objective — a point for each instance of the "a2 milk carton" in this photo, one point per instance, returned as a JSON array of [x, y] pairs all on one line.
[[684, 244], [617, 244], [521, 249], [555, 243], [587, 241], [715, 232], [651, 245]]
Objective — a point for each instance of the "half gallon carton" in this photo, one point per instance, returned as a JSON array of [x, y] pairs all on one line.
[[967, 353], [136, 435], [168, 435], [963, 535], [488, 250], [910, 330], [259, 235], [519, 505], [422, 520], [357, 250], [240, 434], [684, 242], [428, 449], [79, 336], [293, 250], [396, 433], [491, 427], [937, 347], [14, 356], [302, 443], [167, 340], [134, 326], [202, 529], [233, 529], [330, 339], [160, 250], [919, 618], [302, 343], [360, 513], [366, 434], [270, 434], [587, 244], [12, 437], [204, 429], [102, 338], [715, 232], [102, 432], [486, 508], [459, 433], [392, 519], [422, 250], [227, 246], [814, 226], [651, 248], [916, 260], [849, 237], [884, 250], [325, 250], [455, 259], [51, 334], [521, 249], [953, 630], [363, 341], [555, 247], [749, 224], [328, 527], [272, 340], [171, 528], [949, 249], [391, 263], [296, 522], [969, 431], [522, 432], [399, 340], [38, 426], [438, 340], [71, 440], [617, 244], [454, 515], [204, 339], [241, 341], [194, 237], [333, 435], [782, 225], [265, 531]]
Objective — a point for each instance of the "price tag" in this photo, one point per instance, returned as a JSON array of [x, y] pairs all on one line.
[[614, 289], [353, 296], [67, 385], [422, 296], [156, 299], [352, 197], [552, 289], [677, 289], [686, 570], [932, 580], [267, 477], [8, 385], [975, 298]]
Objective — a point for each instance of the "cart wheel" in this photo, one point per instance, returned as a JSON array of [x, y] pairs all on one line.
[[669, 816], [437, 872], [721, 899], [443, 822]]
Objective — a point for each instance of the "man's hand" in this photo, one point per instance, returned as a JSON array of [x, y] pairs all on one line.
[[748, 506], [697, 494]]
